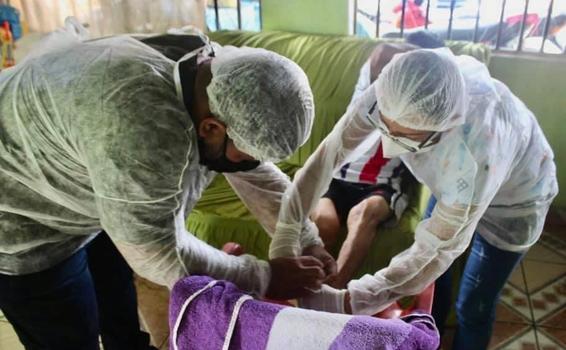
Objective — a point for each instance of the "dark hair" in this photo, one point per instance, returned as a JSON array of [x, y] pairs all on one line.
[[425, 39]]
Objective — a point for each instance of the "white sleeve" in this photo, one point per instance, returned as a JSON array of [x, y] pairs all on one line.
[[167, 259], [364, 81], [314, 177], [414, 269], [261, 190], [464, 196]]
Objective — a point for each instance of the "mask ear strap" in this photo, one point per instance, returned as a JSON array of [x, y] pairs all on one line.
[[206, 40]]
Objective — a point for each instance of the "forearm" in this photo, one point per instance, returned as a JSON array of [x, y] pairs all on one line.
[[166, 260], [262, 191]]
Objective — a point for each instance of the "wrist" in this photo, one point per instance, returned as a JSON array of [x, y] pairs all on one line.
[[326, 299], [347, 305], [264, 277]]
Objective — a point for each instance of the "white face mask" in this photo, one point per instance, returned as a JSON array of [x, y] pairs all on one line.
[[392, 149], [394, 146]]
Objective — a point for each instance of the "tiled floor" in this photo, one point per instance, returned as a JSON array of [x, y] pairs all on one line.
[[8, 338], [530, 315]]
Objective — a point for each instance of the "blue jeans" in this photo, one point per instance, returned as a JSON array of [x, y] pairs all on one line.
[[486, 271], [69, 305]]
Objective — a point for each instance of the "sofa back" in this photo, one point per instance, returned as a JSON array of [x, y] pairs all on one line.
[[332, 64]]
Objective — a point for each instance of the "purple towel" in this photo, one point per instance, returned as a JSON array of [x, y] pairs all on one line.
[[204, 323]]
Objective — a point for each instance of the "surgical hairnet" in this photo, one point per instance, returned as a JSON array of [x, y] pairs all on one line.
[[422, 90], [264, 99]]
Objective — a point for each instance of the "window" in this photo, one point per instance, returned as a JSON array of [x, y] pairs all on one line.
[[233, 14], [536, 26]]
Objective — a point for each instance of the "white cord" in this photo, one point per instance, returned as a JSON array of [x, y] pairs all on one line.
[[233, 320], [183, 309]]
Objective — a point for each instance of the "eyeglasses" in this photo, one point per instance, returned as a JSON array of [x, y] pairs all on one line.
[[409, 145]]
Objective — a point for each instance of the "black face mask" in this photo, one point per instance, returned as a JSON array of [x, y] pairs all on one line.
[[223, 164], [187, 73]]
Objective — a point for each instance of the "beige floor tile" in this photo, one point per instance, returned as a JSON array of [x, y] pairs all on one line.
[[11, 344], [556, 320], [517, 300], [541, 253], [557, 335], [503, 332], [517, 279], [547, 343], [549, 300], [540, 274], [555, 241], [526, 341], [507, 314], [8, 338]]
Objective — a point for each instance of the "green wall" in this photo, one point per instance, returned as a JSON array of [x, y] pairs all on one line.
[[540, 82], [307, 16]]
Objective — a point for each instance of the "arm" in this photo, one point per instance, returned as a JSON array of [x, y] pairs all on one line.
[[438, 242], [364, 81], [464, 196], [313, 179], [261, 190]]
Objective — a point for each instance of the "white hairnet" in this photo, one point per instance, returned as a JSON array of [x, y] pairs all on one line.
[[422, 90], [264, 99]]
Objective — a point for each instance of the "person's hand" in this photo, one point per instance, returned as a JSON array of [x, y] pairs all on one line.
[[421, 302], [392, 311], [233, 248], [291, 276], [327, 260]]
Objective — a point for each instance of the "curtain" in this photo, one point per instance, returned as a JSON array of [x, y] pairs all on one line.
[[107, 17]]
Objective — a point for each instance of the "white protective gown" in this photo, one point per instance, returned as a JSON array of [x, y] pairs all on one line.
[[493, 174], [94, 136]]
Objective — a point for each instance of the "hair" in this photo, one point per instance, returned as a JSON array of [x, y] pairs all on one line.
[[425, 39]]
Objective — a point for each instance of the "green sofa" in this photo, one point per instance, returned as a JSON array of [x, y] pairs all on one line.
[[332, 64]]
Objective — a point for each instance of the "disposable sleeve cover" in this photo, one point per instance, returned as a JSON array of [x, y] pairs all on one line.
[[364, 81], [313, 179], [261, 190]]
